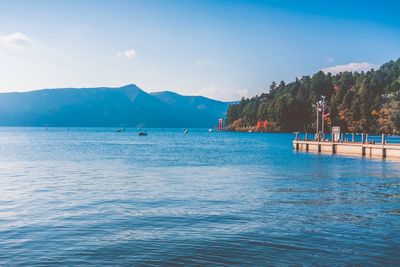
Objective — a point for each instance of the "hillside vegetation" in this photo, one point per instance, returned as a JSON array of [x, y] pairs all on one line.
[[358, 102]]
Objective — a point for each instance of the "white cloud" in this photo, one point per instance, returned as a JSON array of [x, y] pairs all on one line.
[[15, 40], [127, 54], [223, 94], [363, 66]]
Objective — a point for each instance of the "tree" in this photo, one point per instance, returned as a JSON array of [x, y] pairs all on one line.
[[365, 101]]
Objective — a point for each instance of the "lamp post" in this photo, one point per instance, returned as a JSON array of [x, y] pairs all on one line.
[[317, 132], [323, 116]]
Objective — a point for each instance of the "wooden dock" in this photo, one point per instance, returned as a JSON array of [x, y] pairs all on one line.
[[363, 149]]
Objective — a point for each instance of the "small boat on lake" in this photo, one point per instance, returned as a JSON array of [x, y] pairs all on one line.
[[143, 133], [186, 131], [120, 130]]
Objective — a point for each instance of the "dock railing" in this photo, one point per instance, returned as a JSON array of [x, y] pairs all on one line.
[[352, 137], [362, 144]]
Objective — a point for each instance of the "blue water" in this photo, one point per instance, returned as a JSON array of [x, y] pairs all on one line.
[[95, 197]]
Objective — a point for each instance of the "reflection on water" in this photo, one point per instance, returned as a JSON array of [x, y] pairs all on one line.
[[95, 197]]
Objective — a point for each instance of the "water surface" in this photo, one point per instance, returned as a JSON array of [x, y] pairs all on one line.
[[96, 197]]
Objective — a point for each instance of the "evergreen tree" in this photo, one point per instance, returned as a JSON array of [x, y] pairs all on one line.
[[365, 101]]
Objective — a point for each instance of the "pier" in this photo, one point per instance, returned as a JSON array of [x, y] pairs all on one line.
[[375, 147], [365, 148]]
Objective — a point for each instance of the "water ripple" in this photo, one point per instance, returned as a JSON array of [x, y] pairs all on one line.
[[94, 197]]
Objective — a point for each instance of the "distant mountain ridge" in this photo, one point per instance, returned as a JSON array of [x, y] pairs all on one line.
[[126, 106]]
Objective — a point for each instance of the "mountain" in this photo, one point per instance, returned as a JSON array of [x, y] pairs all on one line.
[[194, 107], [356, 101], [126, 106]]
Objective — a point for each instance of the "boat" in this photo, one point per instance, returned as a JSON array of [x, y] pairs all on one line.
[[144, 133], [186, 131], [120, 130], [210, 130]]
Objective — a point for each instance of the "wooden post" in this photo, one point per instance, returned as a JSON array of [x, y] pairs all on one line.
[[297, 136], [383, 146], [362, 146]]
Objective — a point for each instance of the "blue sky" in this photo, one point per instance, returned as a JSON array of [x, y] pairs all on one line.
[[220, 49]]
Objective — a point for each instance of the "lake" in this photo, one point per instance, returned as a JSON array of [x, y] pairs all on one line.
[[92, 196]]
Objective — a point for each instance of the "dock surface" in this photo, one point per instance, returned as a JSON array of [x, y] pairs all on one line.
[[381, 150]]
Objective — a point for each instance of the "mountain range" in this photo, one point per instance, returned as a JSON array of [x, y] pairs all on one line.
[[126, 106]]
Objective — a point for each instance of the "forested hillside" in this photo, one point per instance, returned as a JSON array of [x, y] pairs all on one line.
[[358, 102]]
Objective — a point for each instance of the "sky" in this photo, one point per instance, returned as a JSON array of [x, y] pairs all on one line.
[[216, 48]]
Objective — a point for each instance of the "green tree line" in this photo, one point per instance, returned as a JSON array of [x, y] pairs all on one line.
[[356, 101]]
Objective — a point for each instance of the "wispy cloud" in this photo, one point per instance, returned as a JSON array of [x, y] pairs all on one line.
[[352, 67], [127, 54], [15, 40], [206, 61], [330, 59], [223, 93]]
